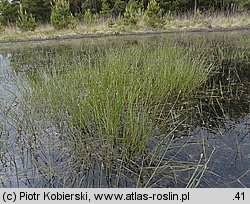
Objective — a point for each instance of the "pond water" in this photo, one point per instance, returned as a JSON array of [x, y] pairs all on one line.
[[228, 147], [10, 85], [226, 127], [220, 134], [10, 95]]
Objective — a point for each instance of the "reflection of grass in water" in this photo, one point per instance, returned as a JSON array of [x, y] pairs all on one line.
[[115, 125], [225, 95], [223, 101]]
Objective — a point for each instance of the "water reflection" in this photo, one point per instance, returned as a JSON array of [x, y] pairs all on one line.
[[8, 80], [229, 166], [224, 126], [11, 85]]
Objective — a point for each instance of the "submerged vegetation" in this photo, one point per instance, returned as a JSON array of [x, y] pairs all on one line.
[[112, 112]]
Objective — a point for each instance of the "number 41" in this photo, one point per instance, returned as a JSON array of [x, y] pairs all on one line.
[[240, 196]]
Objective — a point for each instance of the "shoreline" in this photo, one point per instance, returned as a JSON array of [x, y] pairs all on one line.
[[122, 34]]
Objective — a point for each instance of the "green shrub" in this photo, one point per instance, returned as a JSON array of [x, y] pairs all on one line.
[[170, 16], [198, 18], [105, 10], [153, 15], [111, 23], [61, 17], [245, 5], [25, 22], [88, 17], [132, 12], [119, 8]]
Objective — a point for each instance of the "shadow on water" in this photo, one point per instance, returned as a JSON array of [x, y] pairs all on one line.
[[219, 132]]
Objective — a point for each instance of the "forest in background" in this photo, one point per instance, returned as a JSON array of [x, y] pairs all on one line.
[[41, 9], [120, 15]]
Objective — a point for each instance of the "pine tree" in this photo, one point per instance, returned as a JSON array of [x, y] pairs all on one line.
[[153, 15], [105, 10], [40, 9], [119, 7], [26, 22], [61, 16], [132, 12], [9, 11], [88, 17], [245, 5]]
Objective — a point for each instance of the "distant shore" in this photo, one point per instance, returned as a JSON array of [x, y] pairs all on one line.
[[31, 38]]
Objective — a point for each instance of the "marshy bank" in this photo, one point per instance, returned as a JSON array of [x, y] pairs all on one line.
[[156, 111]]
